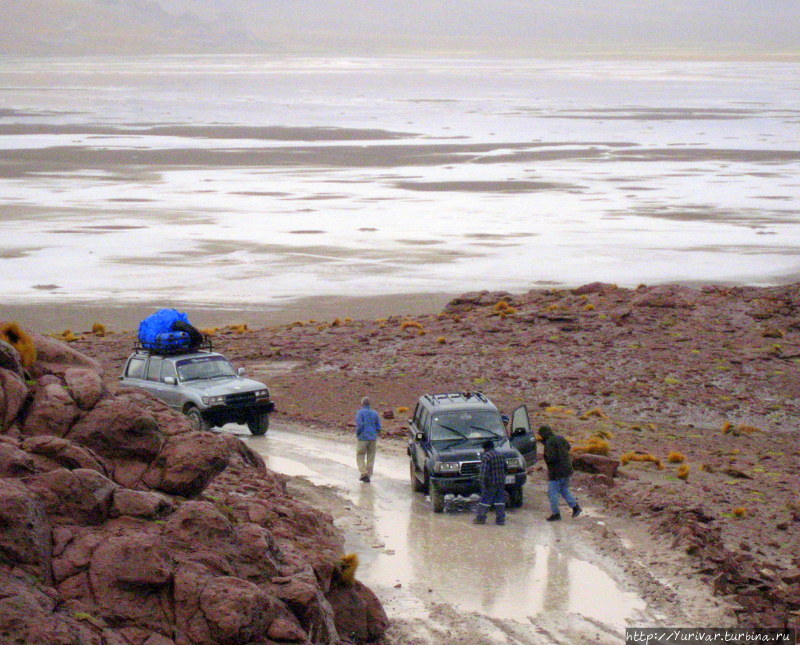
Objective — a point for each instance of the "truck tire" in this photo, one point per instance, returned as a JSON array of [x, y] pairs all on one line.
[[515, 497], [437, 498], [258, 424], [196, 419], [416, 484]]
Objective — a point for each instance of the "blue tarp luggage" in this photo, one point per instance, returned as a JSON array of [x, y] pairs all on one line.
[[156, 331]]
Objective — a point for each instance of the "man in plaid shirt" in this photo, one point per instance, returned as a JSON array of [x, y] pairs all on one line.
[[493, 481]]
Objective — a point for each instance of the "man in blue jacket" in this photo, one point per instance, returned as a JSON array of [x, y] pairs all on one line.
[[368, 425]]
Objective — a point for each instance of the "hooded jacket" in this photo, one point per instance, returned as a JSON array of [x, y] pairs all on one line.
[[556, 454]]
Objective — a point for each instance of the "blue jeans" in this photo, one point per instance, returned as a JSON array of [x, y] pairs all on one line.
[[557, 488], [496, 498]]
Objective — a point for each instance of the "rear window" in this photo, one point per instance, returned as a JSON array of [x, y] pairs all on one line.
[[135, 368]]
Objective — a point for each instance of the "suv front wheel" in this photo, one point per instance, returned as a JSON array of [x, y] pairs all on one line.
[[437, 498], [258, 424], [196, 419]]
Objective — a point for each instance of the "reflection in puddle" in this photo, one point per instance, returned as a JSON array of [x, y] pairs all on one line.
[[516, 571]]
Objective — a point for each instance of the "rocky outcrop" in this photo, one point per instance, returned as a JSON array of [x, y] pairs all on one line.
[[123, 526]]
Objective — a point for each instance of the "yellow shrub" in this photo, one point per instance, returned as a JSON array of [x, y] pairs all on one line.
[[675, 457], [501, 306], [740, 511], [594, 412], [210, 331], [638, 456], [594, 446], [441, 340], [402, 409], [336, 322], [348, 566], [683, 472], [67, 336], [20, 340], [410, 324], [589, 307], [99, 329]]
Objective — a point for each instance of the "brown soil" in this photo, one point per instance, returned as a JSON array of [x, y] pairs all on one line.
[[712, 373]]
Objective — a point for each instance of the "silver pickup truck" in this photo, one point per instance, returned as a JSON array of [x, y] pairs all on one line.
[[203, 385]]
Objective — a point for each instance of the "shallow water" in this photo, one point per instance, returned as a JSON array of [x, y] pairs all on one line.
[[252, 180], [523, 569]]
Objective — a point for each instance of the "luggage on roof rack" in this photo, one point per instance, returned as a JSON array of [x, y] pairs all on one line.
[[169, 331]]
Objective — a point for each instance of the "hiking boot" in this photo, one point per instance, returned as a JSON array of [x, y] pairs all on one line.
[[554, 517], [363, 478], [576, 510]]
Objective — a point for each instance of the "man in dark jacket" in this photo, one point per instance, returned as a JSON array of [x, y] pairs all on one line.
[[493, 483], [559, 469]]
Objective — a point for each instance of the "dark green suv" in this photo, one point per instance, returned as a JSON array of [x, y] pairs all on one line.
[[444, 448]]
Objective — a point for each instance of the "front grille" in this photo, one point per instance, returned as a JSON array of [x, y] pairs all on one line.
[[470, 467], [242, 398]]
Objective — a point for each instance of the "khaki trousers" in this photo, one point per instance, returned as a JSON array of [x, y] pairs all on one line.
[[365, 456]]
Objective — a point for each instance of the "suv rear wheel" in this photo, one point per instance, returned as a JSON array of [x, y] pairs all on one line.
[[416, 484], [258, 424], [197, 420]]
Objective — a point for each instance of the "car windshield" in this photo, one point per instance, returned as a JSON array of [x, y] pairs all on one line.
[[205, 367], [468, 424]]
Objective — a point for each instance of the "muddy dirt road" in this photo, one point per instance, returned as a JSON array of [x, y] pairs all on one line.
[[444, 580]]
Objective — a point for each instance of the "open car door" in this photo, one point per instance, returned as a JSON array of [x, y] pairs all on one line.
[[522, 437]]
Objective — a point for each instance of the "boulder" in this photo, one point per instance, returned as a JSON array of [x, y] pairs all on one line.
[[13, 393], [10, 359], [187, 463], [358, 613], [119, 429], [597, 464], [140, 504], [50, 453], [52, 412], [25, 538], [130, 577], [14, 462], [235, 610], [84, 385], [55, 357], [78, 496]]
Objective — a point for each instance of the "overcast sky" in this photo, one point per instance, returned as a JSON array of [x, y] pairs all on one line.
[[516, 27]]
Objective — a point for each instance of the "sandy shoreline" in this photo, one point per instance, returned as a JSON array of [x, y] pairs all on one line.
[[80, 316]]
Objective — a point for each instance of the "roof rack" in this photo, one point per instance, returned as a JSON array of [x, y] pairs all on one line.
[[455, 397], [169, 347]]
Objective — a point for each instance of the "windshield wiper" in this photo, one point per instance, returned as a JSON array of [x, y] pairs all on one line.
[[494, 434], [453, 430]]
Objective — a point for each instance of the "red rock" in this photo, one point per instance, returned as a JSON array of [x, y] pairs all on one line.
[[25, 538], [358, 613], [73, 553], [130, 578], [54, 357], [139, 504], [14, 462], [10, 359], [81, 496], [84, 385], [792, 576], [187, 463], [596, 464], [13, 393], [119, 429], [52, 412], [57, 452], [236, 611]]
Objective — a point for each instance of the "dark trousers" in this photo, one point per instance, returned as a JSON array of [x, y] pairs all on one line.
[[492, 497]]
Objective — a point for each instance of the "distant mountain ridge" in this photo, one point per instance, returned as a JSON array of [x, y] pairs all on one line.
[[680, 28]]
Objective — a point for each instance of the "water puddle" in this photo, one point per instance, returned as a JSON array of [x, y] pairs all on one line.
[[519, 570]]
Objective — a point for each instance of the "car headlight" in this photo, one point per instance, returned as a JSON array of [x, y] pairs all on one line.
[[447, 467], [262, 394], [213, 400], [515, 463]]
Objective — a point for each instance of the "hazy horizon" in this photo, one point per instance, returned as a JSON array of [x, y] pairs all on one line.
[[628, 28]]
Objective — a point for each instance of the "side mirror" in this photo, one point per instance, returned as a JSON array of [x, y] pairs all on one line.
[[170, 380], [240, 371], [419, 437], [505, 418]]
